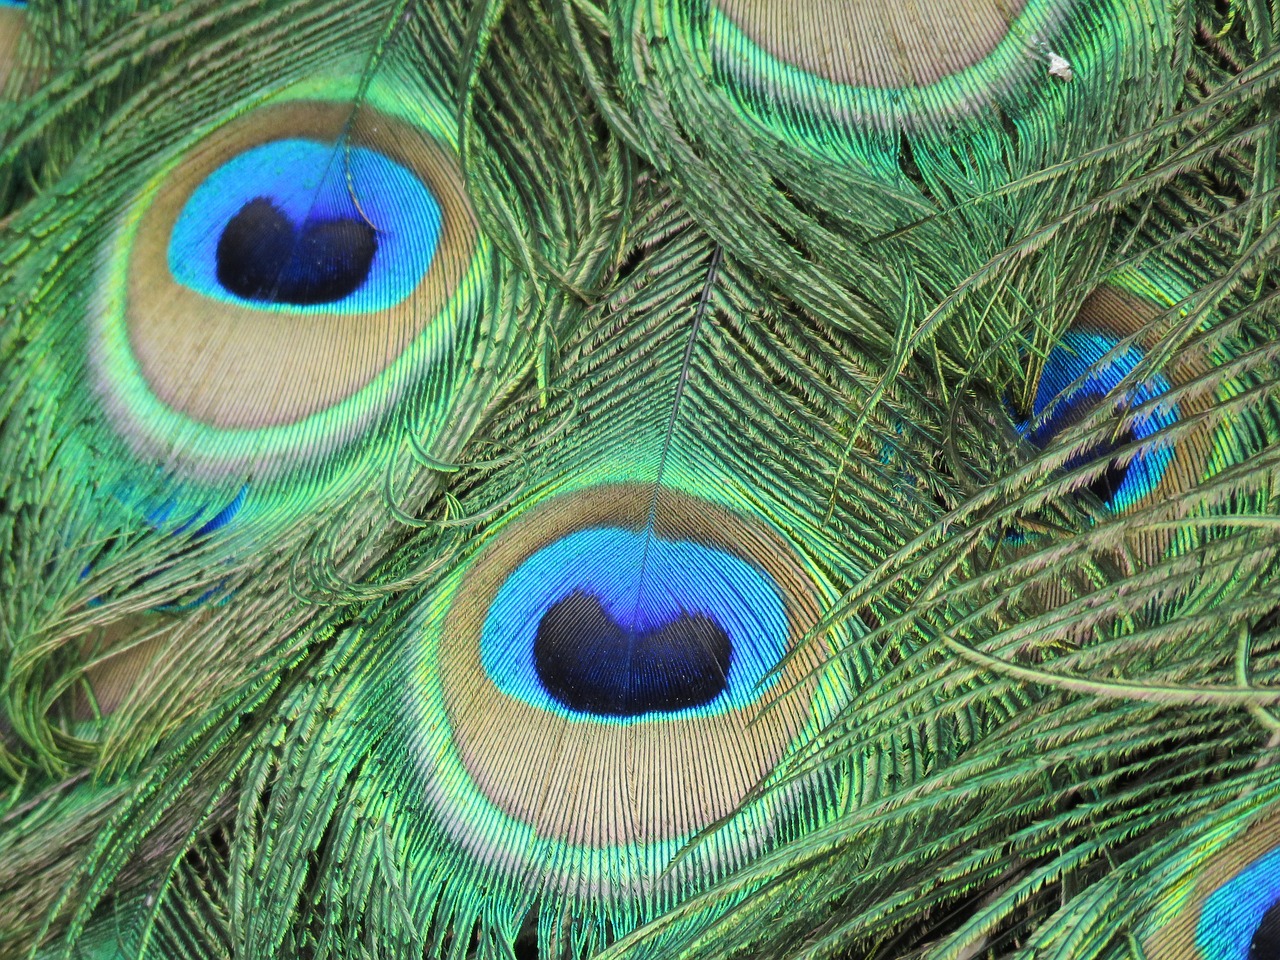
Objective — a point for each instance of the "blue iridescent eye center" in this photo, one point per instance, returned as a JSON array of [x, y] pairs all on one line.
[[1087, 359], [298, 224], [1240, 920], [622, 624]]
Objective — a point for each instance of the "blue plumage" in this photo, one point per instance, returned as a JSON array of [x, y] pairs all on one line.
[[644, 583], [287, 198]]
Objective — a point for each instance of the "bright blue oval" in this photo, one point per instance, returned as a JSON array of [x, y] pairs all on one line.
[[679, 577], [1079, 356], [302, 179]]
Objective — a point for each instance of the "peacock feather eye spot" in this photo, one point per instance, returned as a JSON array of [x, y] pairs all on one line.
[[910, 47], [1223, 903], [638, 651], [280, 284], [589, 662], [294, 223], [13, 16], [824, 69], [1080, 373]]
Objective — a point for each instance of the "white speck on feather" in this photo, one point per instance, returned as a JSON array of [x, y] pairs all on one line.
[[1060, 67]]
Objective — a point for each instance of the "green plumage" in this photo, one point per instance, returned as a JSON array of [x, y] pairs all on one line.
[[656, 478]]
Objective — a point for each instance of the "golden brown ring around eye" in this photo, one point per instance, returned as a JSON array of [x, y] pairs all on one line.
[[598, 783], [881, 44], [120, 653], [12, 22], [1176, 938], [1118, 312], [235, 366]]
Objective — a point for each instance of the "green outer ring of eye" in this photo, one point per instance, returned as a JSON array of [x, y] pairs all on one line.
[[222, 452], [809, 107]]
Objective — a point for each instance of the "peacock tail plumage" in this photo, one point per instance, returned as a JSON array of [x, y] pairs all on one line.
[[644, 478]]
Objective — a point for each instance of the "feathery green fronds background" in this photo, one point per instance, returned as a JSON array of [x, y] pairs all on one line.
[[1039, 715]]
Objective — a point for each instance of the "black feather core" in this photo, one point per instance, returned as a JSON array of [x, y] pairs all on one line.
[[263, 255], [1106, 485], [1265, 944], [589, 662]]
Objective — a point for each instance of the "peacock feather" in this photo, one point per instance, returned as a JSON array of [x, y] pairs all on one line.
[[646, 478]]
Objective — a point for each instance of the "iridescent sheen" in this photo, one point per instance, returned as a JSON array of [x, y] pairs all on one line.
[[311, 183], [644, 582]]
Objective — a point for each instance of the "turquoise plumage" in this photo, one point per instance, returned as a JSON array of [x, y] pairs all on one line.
[[655, 478]]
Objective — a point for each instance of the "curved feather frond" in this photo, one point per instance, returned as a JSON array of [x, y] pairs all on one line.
[[645, 478]]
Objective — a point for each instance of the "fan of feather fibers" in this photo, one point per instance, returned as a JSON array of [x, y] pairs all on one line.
[[639, 479]]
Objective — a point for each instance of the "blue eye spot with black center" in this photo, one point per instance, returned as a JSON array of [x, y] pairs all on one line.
[[1241, 919], [192, 527], [295, 223], [611, 622], [1087, 360], [619, 668]]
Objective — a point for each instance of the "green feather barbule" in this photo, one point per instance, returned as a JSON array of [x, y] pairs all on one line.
[[644, 478]]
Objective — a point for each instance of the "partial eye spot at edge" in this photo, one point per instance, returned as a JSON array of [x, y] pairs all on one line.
[[1224, 913], [878, 45], [13, 20]]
